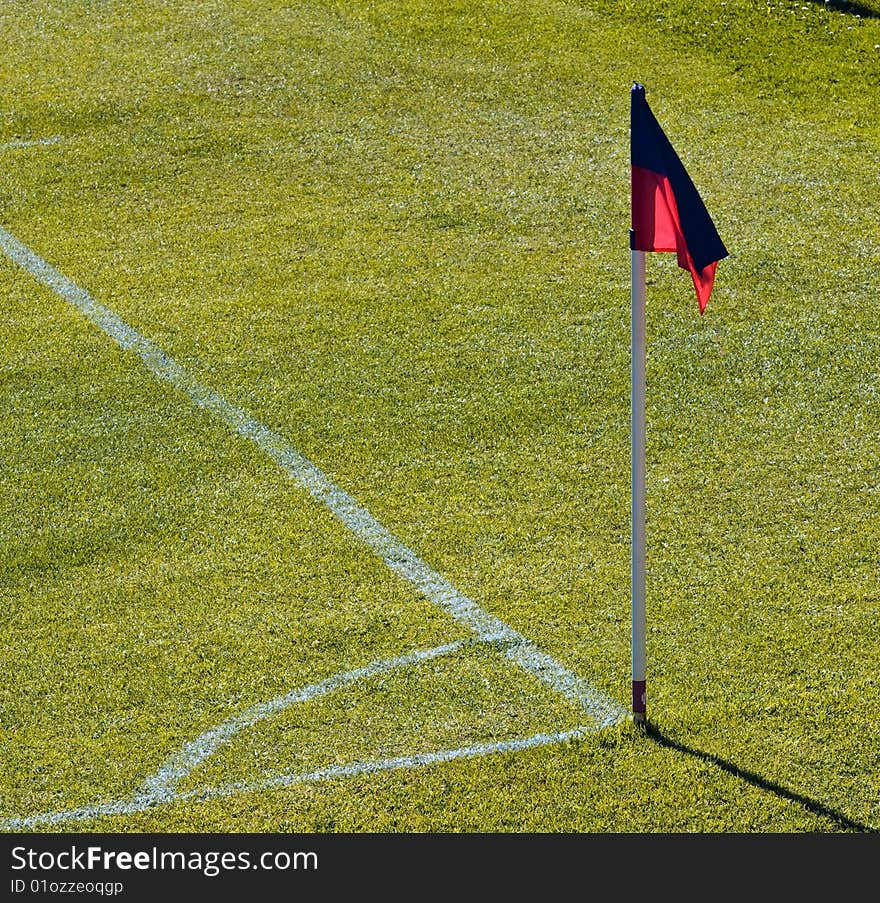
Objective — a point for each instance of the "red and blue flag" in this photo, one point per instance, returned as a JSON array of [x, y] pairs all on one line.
[[667, 212]]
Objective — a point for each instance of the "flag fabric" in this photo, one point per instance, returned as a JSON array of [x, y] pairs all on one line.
[[667, 212]]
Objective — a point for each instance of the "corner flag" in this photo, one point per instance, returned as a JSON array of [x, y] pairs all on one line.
[[667, 212], [667, 215]]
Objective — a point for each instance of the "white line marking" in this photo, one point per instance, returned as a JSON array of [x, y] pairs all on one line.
[[353, 515], [30, 142], [159, 788], [419, 760], [161, 785]]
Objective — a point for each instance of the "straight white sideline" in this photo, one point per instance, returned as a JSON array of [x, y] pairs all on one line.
[[17, 143]]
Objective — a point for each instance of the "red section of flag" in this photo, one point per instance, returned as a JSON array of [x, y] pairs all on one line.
[[657, 227], [655, 218]]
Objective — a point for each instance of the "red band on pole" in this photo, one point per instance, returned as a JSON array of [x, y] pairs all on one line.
[[639, 707]]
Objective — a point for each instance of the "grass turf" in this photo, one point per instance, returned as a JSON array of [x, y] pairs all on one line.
[[396, 233]]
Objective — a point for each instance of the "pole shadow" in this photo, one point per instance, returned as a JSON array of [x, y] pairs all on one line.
[[811, 805], [854, 9]]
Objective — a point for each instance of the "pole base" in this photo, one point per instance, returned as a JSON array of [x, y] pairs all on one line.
[[639, 708]]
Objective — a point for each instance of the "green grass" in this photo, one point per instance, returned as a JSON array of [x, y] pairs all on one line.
[[396, 233]]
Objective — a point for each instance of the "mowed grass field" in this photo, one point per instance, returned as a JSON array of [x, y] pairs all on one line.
[[396, 235]]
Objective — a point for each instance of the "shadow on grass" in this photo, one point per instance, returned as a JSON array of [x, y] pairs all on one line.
[[817, 808], [854, 9]]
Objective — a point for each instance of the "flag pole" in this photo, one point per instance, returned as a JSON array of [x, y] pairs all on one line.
[[637, 264]]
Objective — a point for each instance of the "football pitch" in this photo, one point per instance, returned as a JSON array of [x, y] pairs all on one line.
[[314, 395]]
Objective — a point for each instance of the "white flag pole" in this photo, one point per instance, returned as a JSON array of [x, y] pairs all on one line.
[[638, 484]]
